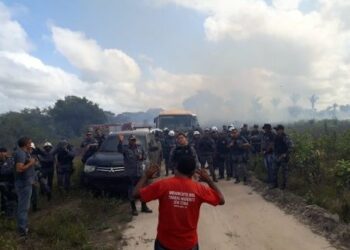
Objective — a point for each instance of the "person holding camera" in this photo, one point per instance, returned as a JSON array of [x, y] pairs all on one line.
[[24, 179]]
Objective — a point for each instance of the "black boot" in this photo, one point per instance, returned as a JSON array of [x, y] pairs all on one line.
[[245, 181], [133, 208], [145, 209]]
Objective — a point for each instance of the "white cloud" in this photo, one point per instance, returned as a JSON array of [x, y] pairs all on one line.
[[305, 51], [26, 82], [286, 4], [95, 62], [107, 76], [12, 36], [266, 51], [118, 76]]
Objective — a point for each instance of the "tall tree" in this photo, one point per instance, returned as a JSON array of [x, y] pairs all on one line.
[[29, 122], [73, 114]]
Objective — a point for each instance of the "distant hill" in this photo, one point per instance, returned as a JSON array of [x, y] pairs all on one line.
[[140, 118]]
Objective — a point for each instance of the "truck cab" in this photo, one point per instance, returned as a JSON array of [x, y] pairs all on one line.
[[105, 169]]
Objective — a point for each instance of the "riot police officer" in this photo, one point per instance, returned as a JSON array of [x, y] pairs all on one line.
[[282, 149], [206, 151], [169, 144], [65, 155], [267, 149], [134, 155], [238, 147]]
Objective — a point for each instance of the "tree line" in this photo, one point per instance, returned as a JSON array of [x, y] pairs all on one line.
[[67, 118]]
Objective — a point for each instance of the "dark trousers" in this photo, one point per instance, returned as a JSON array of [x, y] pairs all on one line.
[[133, 180], [35, 197], [233, 166], [268, 161], [24, 193], [208, 158], [220, 161], [229, 166], [158, 246], [63, 178], [167, 164], [8, 199], [280, 164], [48, 174]]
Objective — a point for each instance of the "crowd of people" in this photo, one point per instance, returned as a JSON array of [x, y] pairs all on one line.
[[180, 196], [28, 170], [227, 152]]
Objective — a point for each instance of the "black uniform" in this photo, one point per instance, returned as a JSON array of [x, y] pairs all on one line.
[[134, 155], [221, 154], [238, 154], [169, 144], [7, 187], [282, 149], [207, 149], [65, 155]]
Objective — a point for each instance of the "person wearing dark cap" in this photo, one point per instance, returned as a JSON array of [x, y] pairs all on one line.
[[255, 139], [134, 155], [47, 162], [206, 151], [88, 146], [245, 132], [182, 149], [282, 149], [65, 154], [267, 149], [238, 146]]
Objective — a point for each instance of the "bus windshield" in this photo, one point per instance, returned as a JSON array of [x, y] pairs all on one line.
[[176, 122]]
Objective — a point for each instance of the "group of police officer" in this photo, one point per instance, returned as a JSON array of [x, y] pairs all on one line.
[[230, 150], [29, 170]]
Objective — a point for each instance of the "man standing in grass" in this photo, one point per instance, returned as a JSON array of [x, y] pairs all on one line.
[[180, 199], [24, 179]]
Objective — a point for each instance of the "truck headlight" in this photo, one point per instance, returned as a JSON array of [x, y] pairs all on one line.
[[89, 168]]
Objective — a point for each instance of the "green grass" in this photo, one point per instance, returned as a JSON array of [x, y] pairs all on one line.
[[74, 220], [324, 193]]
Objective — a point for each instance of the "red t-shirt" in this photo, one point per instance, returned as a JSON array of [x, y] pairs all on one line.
[[180, 199]]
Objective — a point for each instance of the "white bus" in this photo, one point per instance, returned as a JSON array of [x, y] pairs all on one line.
[[180, 120]]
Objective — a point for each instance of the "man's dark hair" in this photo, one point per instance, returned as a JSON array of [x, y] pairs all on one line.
[[23, 141], [3, 150], [186, 165]]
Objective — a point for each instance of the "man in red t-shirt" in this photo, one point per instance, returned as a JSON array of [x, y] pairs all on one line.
[[180, 199]]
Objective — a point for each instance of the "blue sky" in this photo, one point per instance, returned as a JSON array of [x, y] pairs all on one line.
[[139, 54], [170, 35], [166, 34]]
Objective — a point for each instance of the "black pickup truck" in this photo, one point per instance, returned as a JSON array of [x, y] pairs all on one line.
[[105, 171]]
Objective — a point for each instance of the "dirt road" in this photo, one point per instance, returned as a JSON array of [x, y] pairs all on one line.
[[245, 222]]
